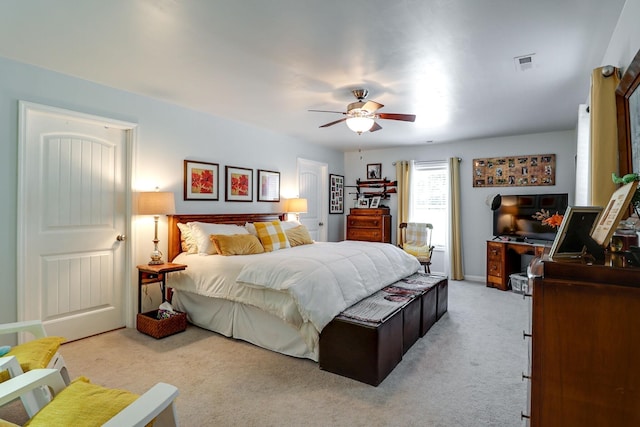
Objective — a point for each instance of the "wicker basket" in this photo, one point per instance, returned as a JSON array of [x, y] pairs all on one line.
[[149, 324]]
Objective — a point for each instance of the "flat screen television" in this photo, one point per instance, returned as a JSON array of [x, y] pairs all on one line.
[[514, 217]]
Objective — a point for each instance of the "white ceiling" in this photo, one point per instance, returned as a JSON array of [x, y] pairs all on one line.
[[265, 63]]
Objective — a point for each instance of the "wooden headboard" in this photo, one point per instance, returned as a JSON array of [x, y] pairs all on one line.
[[239, 219]]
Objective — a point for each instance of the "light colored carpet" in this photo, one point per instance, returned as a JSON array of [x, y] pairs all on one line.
[[465, 372]]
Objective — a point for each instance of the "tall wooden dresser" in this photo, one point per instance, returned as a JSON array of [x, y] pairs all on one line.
[[373, 225], [585, 346]]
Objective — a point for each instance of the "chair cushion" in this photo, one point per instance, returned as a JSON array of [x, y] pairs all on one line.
[[83, 403], [35, 354], [4, 423], [421, 252]]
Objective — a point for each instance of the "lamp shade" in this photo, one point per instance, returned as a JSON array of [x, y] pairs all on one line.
[[156, 203], [296, 205]]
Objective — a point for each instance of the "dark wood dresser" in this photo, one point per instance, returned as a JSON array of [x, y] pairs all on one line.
[[373, 225], [585, 346]]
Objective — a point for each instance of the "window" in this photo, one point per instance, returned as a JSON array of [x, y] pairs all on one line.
[[429, 198]]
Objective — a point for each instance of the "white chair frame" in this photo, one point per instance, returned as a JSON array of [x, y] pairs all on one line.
[[32, 401], [157, 403]]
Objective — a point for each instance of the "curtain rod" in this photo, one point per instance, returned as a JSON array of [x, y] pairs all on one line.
[[429, 161]]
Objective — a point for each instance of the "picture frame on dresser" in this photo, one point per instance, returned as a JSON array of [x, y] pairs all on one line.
[[363, 202], [573, 239], [375, 202]]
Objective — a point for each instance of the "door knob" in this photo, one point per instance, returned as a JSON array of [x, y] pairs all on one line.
[[321, 224], [121, 238]]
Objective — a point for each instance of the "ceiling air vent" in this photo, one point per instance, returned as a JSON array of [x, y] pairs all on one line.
[[524, 63]]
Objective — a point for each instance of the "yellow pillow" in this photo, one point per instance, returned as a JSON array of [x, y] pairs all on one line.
[[83, 403], [271, 235], [35, 354], [298, 236], [236, 244]]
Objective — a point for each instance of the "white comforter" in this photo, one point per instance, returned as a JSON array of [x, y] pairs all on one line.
[[309, 283], [324, 279]]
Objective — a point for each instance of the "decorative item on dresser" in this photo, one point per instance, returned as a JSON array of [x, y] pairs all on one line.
[[373, 225], [585, 345]]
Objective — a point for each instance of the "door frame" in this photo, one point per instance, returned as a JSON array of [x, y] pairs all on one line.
[[129, 292]]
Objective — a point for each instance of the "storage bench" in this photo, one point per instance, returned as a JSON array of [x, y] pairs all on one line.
[[368, 351]]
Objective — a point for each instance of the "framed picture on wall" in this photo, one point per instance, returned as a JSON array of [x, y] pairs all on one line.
[[268, 186], [374, 171], [238, 184], [336, 194], [201, 180]]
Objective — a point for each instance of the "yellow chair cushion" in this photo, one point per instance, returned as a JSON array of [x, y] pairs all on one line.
[[298, 236], [421, 252], [236, 244], [35, 354], [4, 423], [83, 403], [271, 235]]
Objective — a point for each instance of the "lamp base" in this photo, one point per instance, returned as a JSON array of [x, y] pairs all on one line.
[[156, 262], [156, 258]]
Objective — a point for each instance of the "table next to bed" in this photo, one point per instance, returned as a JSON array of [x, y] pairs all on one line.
[[148, 274]]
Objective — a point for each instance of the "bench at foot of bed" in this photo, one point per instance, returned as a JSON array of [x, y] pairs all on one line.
[[367, 351]]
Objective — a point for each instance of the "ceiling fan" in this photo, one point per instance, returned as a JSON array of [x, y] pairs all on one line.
[[361, 115]]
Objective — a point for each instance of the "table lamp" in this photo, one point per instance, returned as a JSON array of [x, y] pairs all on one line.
[[296, 206], [156, 203]]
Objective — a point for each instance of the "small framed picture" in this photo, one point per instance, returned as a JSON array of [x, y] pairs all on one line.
[[239, 184], [201, 180], [363, 202], [375, 202], [374, 171], [268, 186]]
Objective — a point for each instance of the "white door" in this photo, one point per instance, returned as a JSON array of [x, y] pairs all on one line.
[[313, 186], [72, 210]]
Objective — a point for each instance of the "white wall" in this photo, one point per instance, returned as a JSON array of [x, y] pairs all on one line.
[[167, 134], [625, 40], [476, 215]]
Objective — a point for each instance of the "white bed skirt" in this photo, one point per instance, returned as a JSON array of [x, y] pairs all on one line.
[[244, 322]]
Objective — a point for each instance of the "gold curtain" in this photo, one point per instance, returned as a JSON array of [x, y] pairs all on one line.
[[402, 176], [455, 256], [604, 136]]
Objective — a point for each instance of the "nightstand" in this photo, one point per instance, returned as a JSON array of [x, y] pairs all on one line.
[[148, 274]]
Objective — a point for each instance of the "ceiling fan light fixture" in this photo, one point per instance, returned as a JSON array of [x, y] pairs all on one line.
[[360, 124]]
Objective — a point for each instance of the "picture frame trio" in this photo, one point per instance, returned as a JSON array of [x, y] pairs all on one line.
[[202, 182]]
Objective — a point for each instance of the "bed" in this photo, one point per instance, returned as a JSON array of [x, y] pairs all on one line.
[[277, 300]]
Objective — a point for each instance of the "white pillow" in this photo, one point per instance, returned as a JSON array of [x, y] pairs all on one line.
[[202, 230], [188, 242]]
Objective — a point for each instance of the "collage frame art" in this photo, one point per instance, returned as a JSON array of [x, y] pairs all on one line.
[[515, 171], [336, 194]]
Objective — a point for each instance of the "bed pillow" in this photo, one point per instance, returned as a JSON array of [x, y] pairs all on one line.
[[236, 244], [286, 225], [271, 235], [187, 241], [298, 236], [202, 230]]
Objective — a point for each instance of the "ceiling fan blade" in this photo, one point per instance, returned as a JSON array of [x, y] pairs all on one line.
[[333, 123], [327, 111], [402, 117], [372, 106], [375, 127]]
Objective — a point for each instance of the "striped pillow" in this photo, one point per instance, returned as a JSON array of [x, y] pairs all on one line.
[[271, 235]]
